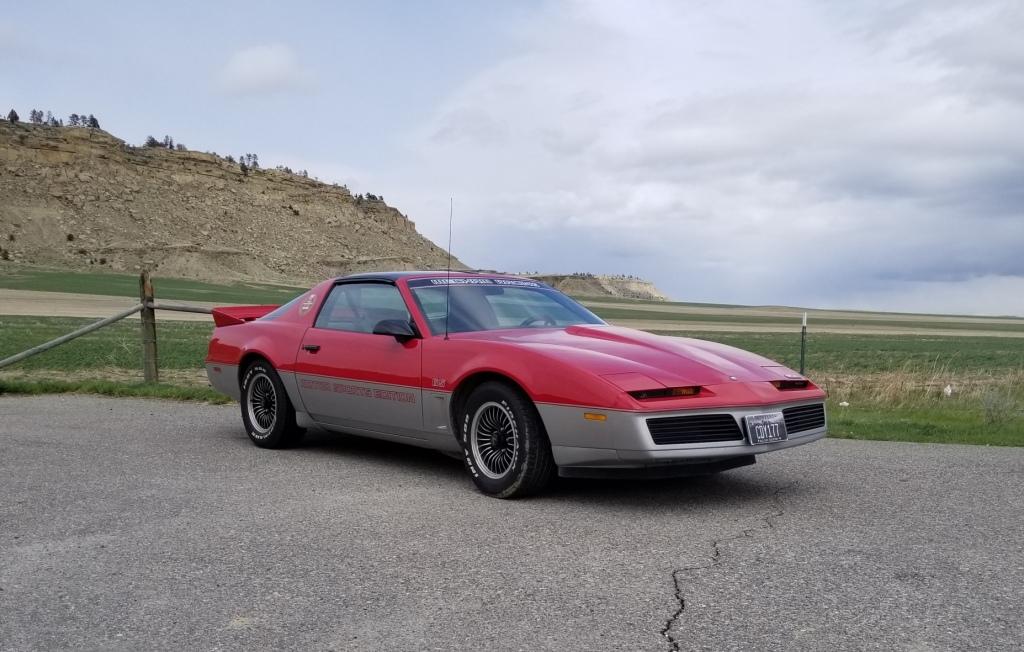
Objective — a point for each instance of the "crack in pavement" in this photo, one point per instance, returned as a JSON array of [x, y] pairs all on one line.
[[673, 644], [767, 523]]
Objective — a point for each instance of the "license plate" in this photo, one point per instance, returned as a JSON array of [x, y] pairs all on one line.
[[765, 428]]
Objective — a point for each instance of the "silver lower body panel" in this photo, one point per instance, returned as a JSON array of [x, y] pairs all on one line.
[[623, 440], [224, 379]]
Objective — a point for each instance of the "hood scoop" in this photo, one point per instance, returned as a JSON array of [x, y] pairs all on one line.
[[612, 334]]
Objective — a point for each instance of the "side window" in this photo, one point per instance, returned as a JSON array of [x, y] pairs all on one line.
[[359, 307]]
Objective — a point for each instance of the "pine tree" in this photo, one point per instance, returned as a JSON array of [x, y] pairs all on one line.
[[152, 142], [12, 116], [93, 122], [73, 120]]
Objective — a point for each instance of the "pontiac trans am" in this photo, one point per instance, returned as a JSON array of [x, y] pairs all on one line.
[[512, 376]]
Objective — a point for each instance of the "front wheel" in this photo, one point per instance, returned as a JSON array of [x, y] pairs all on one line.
[[504, 445], [267, 412]]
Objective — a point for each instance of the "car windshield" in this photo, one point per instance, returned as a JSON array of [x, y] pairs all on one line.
[[483, 304]]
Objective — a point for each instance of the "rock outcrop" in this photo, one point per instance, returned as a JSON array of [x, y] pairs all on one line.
[[592, 285], [81, 198]]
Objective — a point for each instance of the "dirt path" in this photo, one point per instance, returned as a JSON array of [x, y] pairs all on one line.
[[96, 306]]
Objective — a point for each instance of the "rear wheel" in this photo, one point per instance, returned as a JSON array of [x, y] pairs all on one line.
[[267, 412], [504, 445]]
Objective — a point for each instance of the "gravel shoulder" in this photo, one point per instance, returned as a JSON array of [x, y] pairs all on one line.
[[145, 524]]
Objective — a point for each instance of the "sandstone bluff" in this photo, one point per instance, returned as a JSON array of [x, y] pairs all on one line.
[[81, 198]]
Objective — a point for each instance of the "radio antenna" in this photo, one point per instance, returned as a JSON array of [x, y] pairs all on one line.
[[448, 281]]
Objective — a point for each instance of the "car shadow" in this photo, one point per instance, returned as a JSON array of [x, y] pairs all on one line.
[[737, 486], [379, 451]]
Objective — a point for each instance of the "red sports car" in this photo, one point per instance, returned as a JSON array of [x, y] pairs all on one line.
[[509, 374]]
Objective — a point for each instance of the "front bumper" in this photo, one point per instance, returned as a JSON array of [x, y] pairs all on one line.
[[624, 441]]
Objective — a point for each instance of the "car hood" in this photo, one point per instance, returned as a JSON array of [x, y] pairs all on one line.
[[630, 358]]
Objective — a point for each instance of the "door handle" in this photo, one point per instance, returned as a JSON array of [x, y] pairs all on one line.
[[312, 348]]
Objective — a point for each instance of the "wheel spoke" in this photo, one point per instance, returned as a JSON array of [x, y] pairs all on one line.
[[493, 438], [261, 403]]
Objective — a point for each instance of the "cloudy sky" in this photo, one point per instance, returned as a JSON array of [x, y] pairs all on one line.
[[833, 154]]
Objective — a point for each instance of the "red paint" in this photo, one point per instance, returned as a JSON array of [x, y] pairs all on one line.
[[359, 356], [587, 365], [239, 314]]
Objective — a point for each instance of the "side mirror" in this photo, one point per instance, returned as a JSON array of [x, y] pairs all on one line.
[[396, 328]]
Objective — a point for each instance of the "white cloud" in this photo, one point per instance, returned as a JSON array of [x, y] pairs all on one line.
[[785, 155], [264, 69]]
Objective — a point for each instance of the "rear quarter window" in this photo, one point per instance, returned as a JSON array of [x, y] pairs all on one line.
[[280, 310]]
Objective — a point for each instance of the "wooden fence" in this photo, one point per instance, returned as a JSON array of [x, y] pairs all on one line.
[[147, 308]]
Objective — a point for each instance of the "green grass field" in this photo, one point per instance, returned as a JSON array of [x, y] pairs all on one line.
[[933, 422], [127, 285], [893, 384], [181, 344], [841, 353]]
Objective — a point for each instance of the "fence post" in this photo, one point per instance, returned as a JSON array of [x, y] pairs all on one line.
[[803, 345], [150, 371]]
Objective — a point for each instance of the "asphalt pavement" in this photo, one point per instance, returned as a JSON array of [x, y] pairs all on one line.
[[144, 524]]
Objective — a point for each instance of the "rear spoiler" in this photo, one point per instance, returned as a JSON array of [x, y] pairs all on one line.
[[231, 315]]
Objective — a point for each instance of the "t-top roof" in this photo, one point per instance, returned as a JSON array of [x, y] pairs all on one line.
[[394, 276]]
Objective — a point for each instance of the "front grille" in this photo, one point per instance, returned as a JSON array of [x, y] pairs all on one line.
[[695, 429], [804, 417]]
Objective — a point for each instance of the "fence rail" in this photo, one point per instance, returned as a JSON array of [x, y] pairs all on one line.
[[147, 306], [179, 307], [85, 330]]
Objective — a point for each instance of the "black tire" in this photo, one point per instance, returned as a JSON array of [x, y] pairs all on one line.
[[267, 412], [504, 446]]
